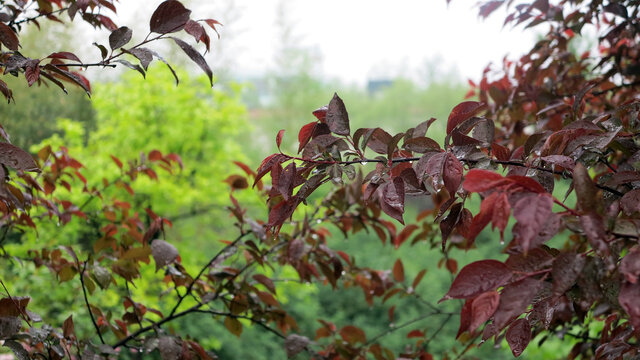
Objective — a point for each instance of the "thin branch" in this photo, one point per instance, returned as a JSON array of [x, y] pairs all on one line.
[[15, 303], [410, 322], [204, 268], [86, 301], [435, 334], [252, 319]]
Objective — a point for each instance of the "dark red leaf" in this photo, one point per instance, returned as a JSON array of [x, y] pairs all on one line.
[[120, 37], [421, 145], [630, 266], [8, 38], [629, 299], [392, 198], [531, 211], [593, 227], [462, 112], [144, 55], [566, 269], [337, 117], [195, 57], [482, 308], [170, 16], [379, 141], [452, 173], [286, 180], [514, 300], [518, 336], [15, 157], [477, 278], [32, 71], [586, 191], [418, 278]]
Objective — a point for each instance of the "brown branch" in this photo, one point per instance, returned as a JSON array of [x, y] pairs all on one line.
[[86, 301]]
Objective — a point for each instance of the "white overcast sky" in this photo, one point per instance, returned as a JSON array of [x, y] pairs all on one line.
[[357, 39]]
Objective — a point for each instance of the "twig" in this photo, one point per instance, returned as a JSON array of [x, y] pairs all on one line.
[[252, 319], [410, 322], [86, 301], [204, 268], [15, 303], [435, 334]]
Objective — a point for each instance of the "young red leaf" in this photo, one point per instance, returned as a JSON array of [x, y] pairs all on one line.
[[337, 117], [279, 138], [462, 112], [286, 180], [398, 271], [418, 278], [477, 278], [170, 16], [518, 336], [404, 235], [482, 308], [392, 198], [305, 134], [321, 113], [415, 334]]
